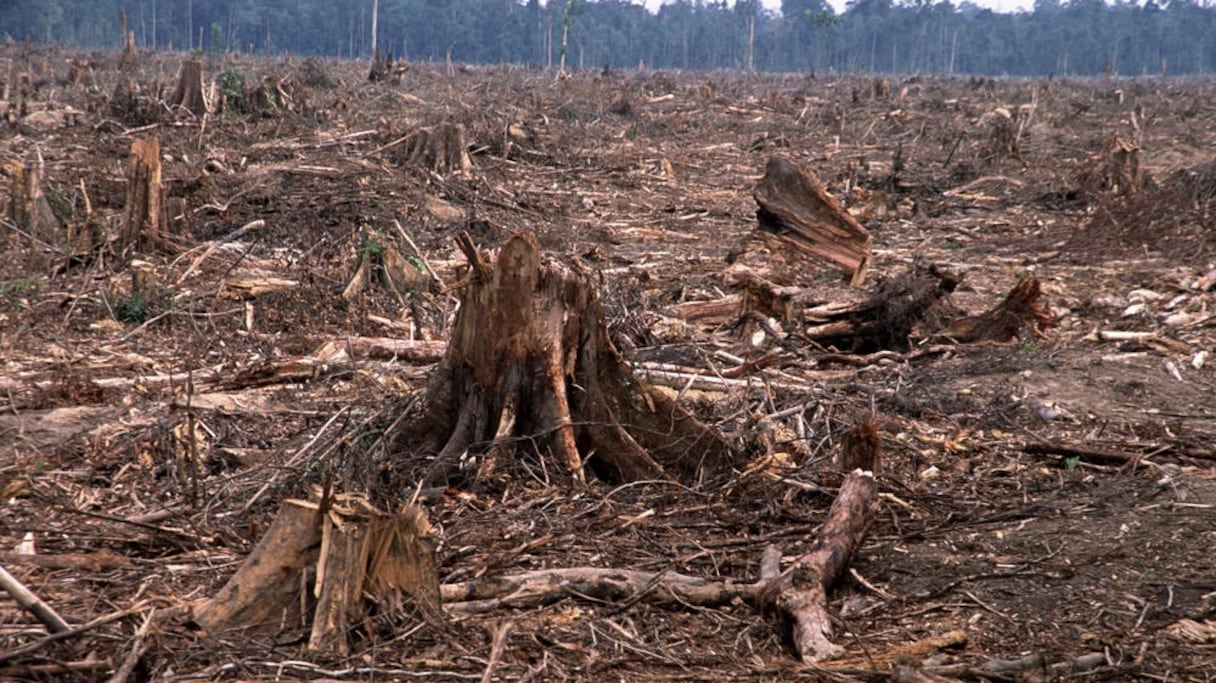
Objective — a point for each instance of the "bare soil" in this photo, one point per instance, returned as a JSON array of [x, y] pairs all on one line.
[[141, 456]]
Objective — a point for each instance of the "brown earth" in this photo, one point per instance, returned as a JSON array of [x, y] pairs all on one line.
[[146, 442]]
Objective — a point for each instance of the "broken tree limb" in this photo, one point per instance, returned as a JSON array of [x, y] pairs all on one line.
[[530, 350], [36, 606], [795, 206], [542, 587], [799, 595]]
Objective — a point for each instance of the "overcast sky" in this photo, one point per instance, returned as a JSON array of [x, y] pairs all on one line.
[[998, 5]]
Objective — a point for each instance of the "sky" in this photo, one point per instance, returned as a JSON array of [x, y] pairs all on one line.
[[998, 5]]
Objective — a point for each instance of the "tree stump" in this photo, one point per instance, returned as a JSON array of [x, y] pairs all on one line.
[[324, 566], [142, 227], [1019, 314], [530, 364], [28, 207], [795, 206], [189, 91], [441, 149]]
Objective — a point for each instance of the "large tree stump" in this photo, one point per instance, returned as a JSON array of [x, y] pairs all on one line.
[[795, 206], [441, 149], [142, 227], [189, 90], [530, 364]]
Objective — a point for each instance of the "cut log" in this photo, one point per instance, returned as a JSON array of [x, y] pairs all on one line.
[[189, 91], [1019, 315], [799, 595], [530, 363], [795, 206], [145, 192]]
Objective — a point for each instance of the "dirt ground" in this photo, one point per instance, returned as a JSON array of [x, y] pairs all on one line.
[[1048, 505]]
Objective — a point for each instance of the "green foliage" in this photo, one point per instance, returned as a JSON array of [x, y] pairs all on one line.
[[17, 293], [1071, 463], [130, 308], [231, 84], [371, 251]]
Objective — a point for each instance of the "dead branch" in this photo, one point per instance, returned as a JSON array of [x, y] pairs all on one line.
[[27, 599]]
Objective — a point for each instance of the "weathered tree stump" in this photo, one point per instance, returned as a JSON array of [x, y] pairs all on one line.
[[441, 149], [28, 207], [1020, 313], [145, 192], [530, 365], [189, 90], [795, 206], [311, 572], [1123, 174]]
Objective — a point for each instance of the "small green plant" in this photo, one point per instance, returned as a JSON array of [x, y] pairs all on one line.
[[1071, 464], [371, 250], [1027, 346], [231, 84], [130, 308]]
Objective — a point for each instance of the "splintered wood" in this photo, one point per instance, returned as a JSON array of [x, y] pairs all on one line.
[[28, 207], [318, 562], [795, 206]]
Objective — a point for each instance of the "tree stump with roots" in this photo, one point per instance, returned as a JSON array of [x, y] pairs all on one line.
[[530, 366]]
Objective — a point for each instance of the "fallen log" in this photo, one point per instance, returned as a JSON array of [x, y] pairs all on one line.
[[799, 594]]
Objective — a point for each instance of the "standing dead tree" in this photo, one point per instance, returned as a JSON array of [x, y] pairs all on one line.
[[796, 208], [530, 365], [142, 227]]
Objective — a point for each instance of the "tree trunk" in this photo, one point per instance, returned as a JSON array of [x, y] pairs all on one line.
[[530, 364]]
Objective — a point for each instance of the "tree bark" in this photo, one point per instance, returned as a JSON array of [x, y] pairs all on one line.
[[530, 363]]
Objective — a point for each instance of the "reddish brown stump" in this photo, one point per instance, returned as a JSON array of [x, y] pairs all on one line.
[[530, 365]]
